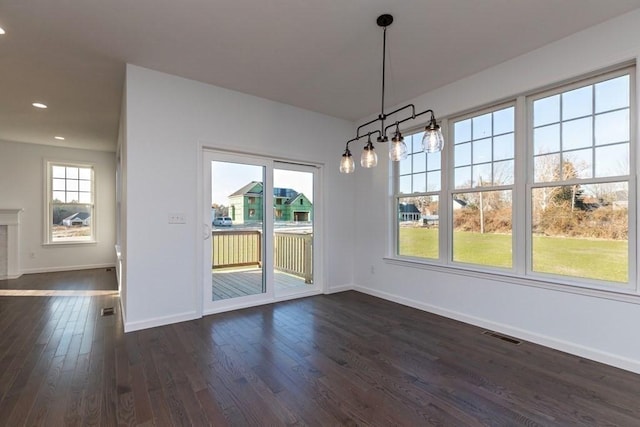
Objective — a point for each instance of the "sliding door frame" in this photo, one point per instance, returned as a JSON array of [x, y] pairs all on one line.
[[203, 229]]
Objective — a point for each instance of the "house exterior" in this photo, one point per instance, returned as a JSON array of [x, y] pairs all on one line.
[[78, 218], [246, 205], [408, 212]]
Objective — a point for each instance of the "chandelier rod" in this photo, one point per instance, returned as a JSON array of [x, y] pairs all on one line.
[[384, 60]]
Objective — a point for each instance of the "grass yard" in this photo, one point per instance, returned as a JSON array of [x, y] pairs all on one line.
[[418, 242], [589, 258]]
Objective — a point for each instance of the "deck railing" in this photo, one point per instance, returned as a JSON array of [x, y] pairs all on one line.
[[236, 248], [293, 252]]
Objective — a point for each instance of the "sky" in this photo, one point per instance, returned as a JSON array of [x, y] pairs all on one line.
[[227, 178]]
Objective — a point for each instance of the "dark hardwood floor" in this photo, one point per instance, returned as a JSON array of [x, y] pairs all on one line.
[[341, 359]]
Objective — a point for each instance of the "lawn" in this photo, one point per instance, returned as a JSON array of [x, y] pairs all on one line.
[[589, 258]]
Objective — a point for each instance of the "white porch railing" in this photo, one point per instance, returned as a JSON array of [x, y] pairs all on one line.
[[293, 251], [293, 254]]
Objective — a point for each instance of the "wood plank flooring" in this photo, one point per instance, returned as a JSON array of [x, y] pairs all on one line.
[[331, 360]]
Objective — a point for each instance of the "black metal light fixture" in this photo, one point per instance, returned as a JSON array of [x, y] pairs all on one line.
[[432, 141]]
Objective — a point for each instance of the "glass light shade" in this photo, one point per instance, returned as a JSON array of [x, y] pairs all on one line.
[[397, 149], [369, 158], [346, 164], [432, 141]]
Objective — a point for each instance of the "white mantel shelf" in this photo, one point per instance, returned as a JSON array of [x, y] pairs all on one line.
[[10, 216], [11, 219]]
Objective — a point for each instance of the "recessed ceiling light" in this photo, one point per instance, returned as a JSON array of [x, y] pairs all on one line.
[[1, 31], [39, 105], [60, 138]]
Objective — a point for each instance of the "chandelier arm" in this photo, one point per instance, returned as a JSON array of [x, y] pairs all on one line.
[[409, 118], [365, 124], [362, 136], [413, 110]]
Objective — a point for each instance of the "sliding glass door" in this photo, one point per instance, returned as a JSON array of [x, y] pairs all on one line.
[[260, 243], [293, 234], [235, 250]]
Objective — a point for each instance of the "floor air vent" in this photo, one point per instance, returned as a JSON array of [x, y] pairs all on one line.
[[107, 311], [502, 337]]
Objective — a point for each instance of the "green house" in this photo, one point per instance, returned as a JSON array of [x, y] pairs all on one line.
[[246, 205]]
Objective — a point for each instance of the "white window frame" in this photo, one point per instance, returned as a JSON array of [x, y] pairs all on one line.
[[49, 204], [451, 189], [395, 171], [531, 184], [521, 273]]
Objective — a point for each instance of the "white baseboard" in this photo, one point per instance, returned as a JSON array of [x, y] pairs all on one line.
[[13, 276], [342, 288], [159, 321], [66, 268], [547, 341]]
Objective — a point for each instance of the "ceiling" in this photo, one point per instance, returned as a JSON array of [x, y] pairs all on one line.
[[324, 56]]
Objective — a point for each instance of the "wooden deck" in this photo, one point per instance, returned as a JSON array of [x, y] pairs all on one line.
[[231, 283]]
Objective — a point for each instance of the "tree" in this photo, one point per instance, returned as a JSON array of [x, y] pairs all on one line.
[[221, 210]]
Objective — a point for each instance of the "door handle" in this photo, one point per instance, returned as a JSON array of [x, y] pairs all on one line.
[[206, 233]]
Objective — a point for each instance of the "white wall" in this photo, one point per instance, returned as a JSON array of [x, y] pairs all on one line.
[[22, 174], [121, 206], [168, 118], [593, 327]]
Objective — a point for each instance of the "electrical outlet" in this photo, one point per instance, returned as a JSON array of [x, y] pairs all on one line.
[[177, 218]]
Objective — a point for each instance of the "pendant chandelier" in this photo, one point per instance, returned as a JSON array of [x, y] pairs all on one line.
[[432, 141]]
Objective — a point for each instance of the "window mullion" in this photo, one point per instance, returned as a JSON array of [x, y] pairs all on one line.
[[521, 222], [444, 213]]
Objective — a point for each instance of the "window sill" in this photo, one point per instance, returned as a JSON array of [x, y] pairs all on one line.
[[624, 295], [75, 243]]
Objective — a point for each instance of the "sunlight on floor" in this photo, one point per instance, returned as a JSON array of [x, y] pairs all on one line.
[[52, 293]]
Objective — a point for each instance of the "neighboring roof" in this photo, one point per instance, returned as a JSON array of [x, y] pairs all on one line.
[[408, 208], [461, 202], [78, 215], [296, 198], [254, 187], [289, 193]]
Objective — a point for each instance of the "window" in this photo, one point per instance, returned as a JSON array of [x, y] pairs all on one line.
[[417, 201], [70, 203], [541, 187], [580, 189], [481, 201]]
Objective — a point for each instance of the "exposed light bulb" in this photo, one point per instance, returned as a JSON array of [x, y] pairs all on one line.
[[397, 149], [39, 105], [432, 141], [369, 158], [347, 164]]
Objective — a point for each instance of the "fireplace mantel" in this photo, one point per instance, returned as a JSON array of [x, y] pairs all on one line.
[[10, 247]]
